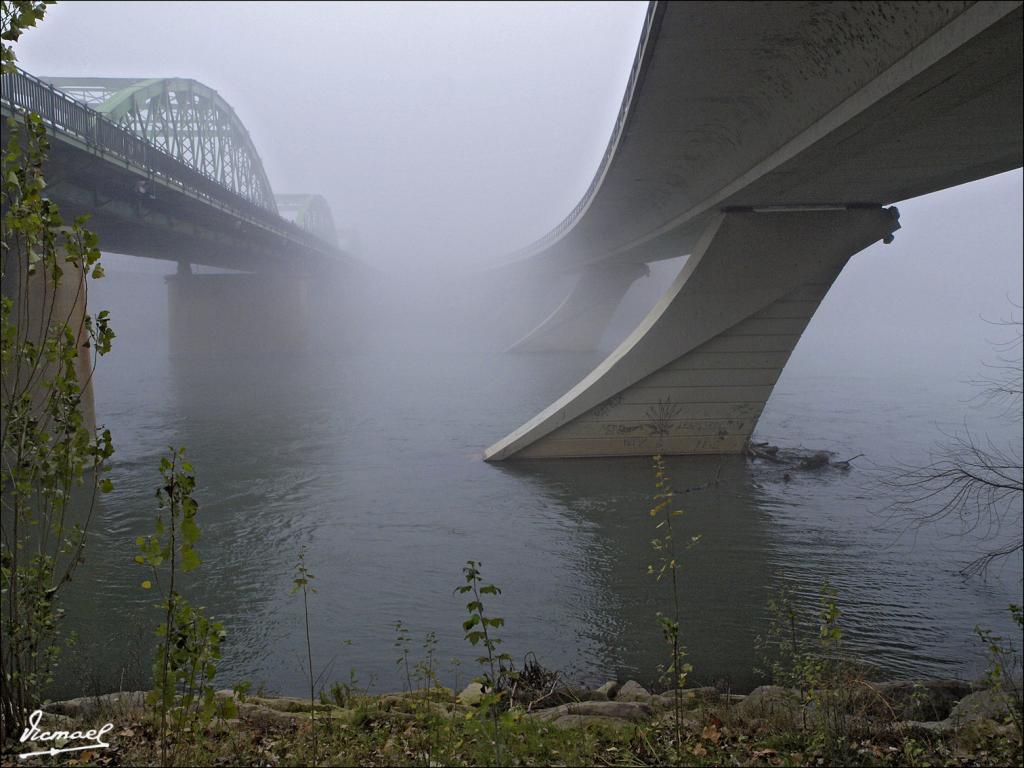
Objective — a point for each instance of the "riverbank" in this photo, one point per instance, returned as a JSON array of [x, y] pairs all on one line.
[[898, 723]]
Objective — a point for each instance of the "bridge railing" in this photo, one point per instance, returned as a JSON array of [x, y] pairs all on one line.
[[22, 91], [569, 221]]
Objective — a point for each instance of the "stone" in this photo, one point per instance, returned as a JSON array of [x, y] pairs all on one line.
[[90, 706], [621, 710], [914, 700], [435, 693], [560, 695], [286, 703], [631, 690], [925, 727], [471, 694], [770, 702], [988, 704], [399, 702], [610, 689], [692, 697], [264, 717], [581, 721]]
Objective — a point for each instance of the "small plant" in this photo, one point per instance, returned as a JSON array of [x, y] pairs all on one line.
[[497, 666], [808, 655], [189, 642], [343, 695], [402, 642], [301, 582], [426, 668], [668, 565], [1003, 673]]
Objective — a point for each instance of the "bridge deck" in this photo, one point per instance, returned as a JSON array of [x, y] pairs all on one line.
[[145, 202], [752, 104]]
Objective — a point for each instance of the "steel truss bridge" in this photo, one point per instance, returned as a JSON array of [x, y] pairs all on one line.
[[166, 169]]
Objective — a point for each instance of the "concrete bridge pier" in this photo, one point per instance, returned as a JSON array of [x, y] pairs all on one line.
[[580, 320], [694, 376], [40, 311], [228, 315]]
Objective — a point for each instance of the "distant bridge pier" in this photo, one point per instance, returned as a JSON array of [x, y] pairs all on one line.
[[232, 315], [694, 376], [577, 324]]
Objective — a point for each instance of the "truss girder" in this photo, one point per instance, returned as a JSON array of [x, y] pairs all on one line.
[[311, 212], [186, 119]]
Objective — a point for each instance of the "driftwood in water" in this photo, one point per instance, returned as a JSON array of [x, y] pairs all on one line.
[[810, 461], [764, 451]]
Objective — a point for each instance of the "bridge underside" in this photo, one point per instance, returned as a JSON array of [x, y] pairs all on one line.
[[739, 112], [580, 320], [695, 375], [739, 107], [161, 221]]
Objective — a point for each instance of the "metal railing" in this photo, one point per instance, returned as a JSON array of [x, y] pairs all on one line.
[[23, 92], [563, 227]]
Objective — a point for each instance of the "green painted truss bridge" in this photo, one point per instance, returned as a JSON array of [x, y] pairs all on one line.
[[170, 119]]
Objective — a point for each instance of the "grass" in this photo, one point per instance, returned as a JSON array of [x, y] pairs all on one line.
[[431, 728]]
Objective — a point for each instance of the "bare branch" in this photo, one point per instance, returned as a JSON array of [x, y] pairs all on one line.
[[971, 479]]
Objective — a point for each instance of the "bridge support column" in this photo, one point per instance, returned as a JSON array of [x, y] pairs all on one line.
[[238, 314], [578, 323], [694, 376], [39, 312]]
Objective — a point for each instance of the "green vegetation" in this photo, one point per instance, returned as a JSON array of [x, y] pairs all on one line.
[[186, 656], [676, 672], [53, 458], [302, 583], [1005, 672], [497, 666]]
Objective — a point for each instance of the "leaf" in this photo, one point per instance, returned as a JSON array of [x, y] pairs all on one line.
[[189, 559], [147, 584]]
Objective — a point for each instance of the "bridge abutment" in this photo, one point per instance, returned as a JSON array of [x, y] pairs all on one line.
[[229, 315], [694, 376]]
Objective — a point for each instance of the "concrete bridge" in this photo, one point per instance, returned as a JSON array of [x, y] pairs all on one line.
[[165, 169], [764, 140]]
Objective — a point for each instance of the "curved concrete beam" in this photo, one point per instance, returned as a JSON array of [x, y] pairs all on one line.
[[758, 103], [578, 323], [696, 373]]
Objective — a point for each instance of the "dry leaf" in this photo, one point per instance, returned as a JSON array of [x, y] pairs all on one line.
[[711, 733]]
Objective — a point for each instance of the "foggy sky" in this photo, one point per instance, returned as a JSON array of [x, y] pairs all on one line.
[[455, 133], [436, 130]]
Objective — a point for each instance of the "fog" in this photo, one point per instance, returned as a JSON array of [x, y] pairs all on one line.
[[444, 137], [440, 132]]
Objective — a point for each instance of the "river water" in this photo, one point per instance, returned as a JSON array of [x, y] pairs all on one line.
[[369, 457]]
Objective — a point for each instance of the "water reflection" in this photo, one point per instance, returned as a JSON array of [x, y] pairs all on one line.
[[371, 457], [725, 579]]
